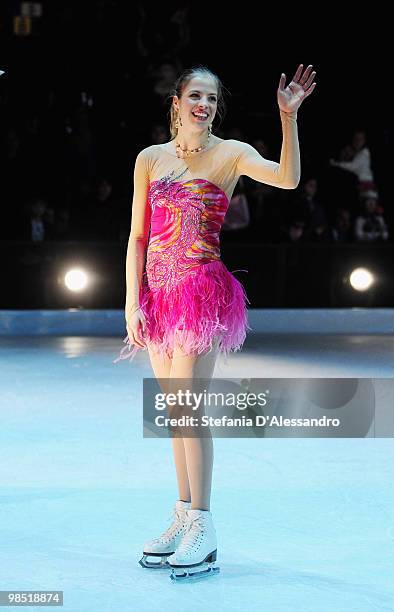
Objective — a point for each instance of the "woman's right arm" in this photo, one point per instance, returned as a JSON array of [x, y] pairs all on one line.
[[136, 249]]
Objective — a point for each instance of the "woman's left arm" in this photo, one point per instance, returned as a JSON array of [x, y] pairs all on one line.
[[286, 173]]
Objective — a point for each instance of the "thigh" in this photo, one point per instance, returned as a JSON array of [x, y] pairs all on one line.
[[161, 366], [192, 371], [193, 365]]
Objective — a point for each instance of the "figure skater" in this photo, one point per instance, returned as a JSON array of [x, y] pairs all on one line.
[[187, 307]]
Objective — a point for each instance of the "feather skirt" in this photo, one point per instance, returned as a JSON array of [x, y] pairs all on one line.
[[209, 304]]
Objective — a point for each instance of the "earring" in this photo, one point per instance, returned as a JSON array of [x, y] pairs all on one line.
[[210, 128], [178, 121]]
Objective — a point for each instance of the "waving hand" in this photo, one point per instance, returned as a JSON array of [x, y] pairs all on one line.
[[301, 86]]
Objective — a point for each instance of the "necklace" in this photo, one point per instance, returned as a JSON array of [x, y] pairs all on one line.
[[188, 151]]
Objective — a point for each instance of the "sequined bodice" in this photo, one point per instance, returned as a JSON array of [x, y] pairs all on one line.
[[186, 218]]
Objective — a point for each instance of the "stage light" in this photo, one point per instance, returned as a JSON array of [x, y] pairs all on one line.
[[361, 279], [76, 279]]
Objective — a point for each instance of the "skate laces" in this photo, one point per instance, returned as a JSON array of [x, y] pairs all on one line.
[[194, 528], [177, 520]]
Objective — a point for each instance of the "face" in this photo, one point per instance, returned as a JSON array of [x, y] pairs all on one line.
[[167, 72], [358, 140], [296, 230], [159, 134], [370, 205], [198, 96], [38, 207], [104, 189], [311, 187], [344, 215]]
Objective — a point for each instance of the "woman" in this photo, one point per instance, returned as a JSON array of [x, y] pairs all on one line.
[[190, 307], [357, 159]]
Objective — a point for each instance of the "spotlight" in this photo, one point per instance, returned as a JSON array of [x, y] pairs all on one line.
[[76, 279], [361, 279]]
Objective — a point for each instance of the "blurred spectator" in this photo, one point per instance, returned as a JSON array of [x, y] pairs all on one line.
[[342, 229], [36, 224], [166, 75], [356, 158], [12, 189], [160, 80], [370, 226], [155, 43], [61, 227], [99, 215], [159, 134], [263, 200], [80, 152], [10, 145], [293, 232], [311, 210], [237, 216], [33, 155]]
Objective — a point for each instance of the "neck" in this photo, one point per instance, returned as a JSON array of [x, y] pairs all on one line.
[[188, 140]]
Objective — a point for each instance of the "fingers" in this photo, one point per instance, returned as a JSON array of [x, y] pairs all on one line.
[[308, 83], [306, 74], [309, 91], [302, 79], [295, 90], [134, 331], [140, 331], [282, 82], [139, 342], [298, 73], [135, 338], [138, 339]]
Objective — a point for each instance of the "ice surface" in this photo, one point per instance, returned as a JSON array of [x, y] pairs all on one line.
[[303, 524]]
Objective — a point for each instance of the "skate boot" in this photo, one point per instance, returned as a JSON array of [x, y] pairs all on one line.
[[164, 546], [196, 554]]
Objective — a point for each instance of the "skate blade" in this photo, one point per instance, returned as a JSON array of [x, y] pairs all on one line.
[[187, 574], [162, 564]]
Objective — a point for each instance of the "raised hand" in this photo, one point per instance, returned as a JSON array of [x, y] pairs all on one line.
[[291, 97]]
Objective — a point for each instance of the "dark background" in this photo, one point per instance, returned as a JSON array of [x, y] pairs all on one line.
[[78, 98]]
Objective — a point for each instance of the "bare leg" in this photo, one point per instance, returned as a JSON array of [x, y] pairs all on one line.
[[161, 366], [198, 450]]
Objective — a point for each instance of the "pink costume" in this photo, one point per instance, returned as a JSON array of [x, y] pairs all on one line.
[[187, 294]]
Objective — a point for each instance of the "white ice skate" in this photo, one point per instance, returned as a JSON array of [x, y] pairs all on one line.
[[196, 554], [166, 544]]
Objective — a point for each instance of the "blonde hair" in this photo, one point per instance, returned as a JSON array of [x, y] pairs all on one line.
[[180, 84]]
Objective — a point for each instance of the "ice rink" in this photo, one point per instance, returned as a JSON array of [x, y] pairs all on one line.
[[303, 524]]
